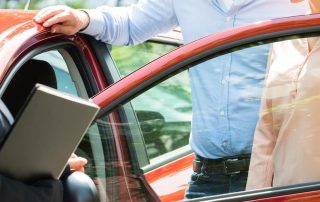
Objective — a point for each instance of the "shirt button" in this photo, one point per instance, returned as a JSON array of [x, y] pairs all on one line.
[[225, 144], [228, 19], [223, 81], [222, 113]]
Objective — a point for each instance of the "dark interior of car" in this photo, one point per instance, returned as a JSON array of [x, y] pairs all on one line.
[[78, 187]]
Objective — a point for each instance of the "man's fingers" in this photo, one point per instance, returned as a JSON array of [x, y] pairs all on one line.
[[77, 163], [44, 14], [63, 29], [59, 18], [73, 155], [47, 15], [40, 13], [62, 19]]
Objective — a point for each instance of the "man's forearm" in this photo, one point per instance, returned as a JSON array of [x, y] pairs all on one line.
[[131, 25]]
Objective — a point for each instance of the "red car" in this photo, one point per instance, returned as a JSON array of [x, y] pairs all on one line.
[[137, 147]]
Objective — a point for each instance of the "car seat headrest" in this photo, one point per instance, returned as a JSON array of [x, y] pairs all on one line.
[[30, 73], [6, 121]]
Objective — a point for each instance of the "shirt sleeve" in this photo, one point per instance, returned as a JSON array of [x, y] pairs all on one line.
[[41, 191], [261, 165], [131, 25], [261, 168]]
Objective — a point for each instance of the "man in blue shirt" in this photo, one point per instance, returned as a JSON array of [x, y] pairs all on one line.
[[225, 110]]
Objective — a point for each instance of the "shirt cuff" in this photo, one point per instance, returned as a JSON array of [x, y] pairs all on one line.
[[95, 20]]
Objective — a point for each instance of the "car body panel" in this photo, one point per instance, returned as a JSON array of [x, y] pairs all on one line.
[[176, 173], [16, 17]]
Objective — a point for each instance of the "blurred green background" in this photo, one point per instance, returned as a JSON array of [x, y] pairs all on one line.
[[38, 4]]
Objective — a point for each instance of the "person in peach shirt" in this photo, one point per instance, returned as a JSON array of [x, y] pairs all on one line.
[[286, 143]]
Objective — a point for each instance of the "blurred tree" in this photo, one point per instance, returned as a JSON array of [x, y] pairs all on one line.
[[38, 4]]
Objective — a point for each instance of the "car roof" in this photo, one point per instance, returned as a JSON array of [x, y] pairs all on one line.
[[11, 18]]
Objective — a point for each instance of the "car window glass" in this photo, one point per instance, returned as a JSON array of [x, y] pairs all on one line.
[[130, 58], [98, 148], [65, 82], [284, 105], [164, 115], [164, 112], [97, 145]]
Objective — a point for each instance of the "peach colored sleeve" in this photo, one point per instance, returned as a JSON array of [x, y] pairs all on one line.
[[261, 167]]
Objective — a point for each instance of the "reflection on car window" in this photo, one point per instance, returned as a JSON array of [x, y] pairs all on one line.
[[164, 115], [130, 58], [288, 130], [285, 108]]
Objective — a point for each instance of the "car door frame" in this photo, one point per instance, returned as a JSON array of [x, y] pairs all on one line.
[[38, 41], [191, 54]]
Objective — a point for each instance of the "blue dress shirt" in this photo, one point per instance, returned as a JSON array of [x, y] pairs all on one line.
[[226, 90]]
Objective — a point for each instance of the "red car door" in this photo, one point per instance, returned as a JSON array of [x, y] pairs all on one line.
[[153, 109]]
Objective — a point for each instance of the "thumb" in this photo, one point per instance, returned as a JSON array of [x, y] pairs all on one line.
[[77, 162]]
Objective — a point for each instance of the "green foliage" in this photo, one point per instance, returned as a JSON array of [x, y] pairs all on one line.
[[130, 58], [38, 4], [171, 99], [71, 3], [77, 4]]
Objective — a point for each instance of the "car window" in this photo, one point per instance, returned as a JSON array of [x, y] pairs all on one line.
[[60, 69], [164, 112], [283, 107], [130, 58], [164, 115], [97, 145], [64, 81], [176, 90]]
